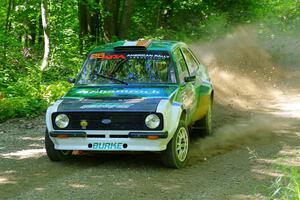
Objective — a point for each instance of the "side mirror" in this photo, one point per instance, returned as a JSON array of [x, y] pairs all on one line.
[[71, 80], [189, 78]]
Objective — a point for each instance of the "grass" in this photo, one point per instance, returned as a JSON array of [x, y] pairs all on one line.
[[287, 186]]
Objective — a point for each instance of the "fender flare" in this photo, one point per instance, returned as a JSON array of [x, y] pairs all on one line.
[[176, 113]]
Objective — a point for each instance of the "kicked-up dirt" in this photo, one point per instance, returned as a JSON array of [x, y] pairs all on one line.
[[256, 130]]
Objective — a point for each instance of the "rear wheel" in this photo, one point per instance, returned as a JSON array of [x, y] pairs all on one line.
[[177, 150], [52, 153]]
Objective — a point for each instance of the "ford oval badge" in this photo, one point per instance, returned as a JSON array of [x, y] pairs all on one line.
[[106, 121]]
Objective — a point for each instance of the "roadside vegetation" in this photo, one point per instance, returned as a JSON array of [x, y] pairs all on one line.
[[286, 186], [42, 42]]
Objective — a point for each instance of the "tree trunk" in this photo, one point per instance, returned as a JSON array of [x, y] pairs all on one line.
[[10, 8], [40, 32], [46, 30], [95, 21], [32, 29], [84, 22], [125, 19], [111, 21]]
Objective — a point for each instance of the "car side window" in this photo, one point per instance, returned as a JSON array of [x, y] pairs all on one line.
[[191, 62], [202, 69], [181, 65]]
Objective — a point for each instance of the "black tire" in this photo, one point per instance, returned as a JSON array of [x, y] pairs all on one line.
[[52, 153], [171, 157], [203, 127]]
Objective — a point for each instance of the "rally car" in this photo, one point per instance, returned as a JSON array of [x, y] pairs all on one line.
[[133, 96]]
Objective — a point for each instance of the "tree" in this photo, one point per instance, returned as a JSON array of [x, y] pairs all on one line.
[[118, 18], [84, 18], [10, 7], [46, 30], [125, 20], [89, 22], [111, 8], [95, 24]]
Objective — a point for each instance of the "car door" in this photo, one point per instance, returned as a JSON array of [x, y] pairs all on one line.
[[200, 97], [196, 70], [186, 93]]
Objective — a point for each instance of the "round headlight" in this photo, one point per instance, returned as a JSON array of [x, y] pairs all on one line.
[[62, 121], [152, 121]]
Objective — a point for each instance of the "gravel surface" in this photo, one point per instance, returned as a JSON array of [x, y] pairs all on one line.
[[255, 132]]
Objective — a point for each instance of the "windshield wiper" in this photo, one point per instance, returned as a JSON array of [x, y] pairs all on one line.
[[111, 78]]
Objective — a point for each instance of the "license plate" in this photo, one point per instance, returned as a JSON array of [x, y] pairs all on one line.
[[107, 145]]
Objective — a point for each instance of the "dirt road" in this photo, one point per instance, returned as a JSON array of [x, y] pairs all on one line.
[[256, 130]]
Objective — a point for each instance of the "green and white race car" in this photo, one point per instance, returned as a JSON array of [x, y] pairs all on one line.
[[133, 96]]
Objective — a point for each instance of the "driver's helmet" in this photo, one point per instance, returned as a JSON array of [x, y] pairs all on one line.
[[162, 70]]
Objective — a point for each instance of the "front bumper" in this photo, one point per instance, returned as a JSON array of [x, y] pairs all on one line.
[[109, 141]]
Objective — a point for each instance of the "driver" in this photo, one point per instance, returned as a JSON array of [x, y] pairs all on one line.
[[162, 70]]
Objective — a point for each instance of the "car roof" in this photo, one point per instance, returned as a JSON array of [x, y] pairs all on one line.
[[150, 45]]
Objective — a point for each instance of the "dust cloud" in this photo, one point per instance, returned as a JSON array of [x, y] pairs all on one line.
[[232, 136], [250, 81]]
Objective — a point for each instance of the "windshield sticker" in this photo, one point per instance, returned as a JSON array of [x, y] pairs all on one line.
[[107, 57], [130, 91], [153, 56], [151, 91], [106, 105]]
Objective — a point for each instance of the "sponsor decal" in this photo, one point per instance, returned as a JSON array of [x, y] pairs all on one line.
[[134, 91], [120, 92], [106, 105], [153, 56], [127, 91], [83, 124], [107, 145], [107, 57], [187, 98], [122, 56]]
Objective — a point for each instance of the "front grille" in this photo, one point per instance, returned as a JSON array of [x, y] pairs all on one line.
[[118, 120], [95, 136]]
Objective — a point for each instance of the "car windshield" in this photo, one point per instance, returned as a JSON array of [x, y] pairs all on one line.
[[137, 67]]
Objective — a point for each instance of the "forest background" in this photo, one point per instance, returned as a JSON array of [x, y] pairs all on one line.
[[43, 42]]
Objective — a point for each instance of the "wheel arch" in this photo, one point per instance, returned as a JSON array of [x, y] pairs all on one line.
[[183, 115], [212, 94]]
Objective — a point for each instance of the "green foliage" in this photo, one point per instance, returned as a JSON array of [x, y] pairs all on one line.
[[25, 90], [55, 91], [286, 186], [279, 16], [20, 107]]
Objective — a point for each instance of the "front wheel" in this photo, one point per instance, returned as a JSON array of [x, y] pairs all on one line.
[[177, 150], [52, 153]]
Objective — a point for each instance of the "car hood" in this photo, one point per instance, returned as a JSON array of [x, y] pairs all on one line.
[[115, 99]]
